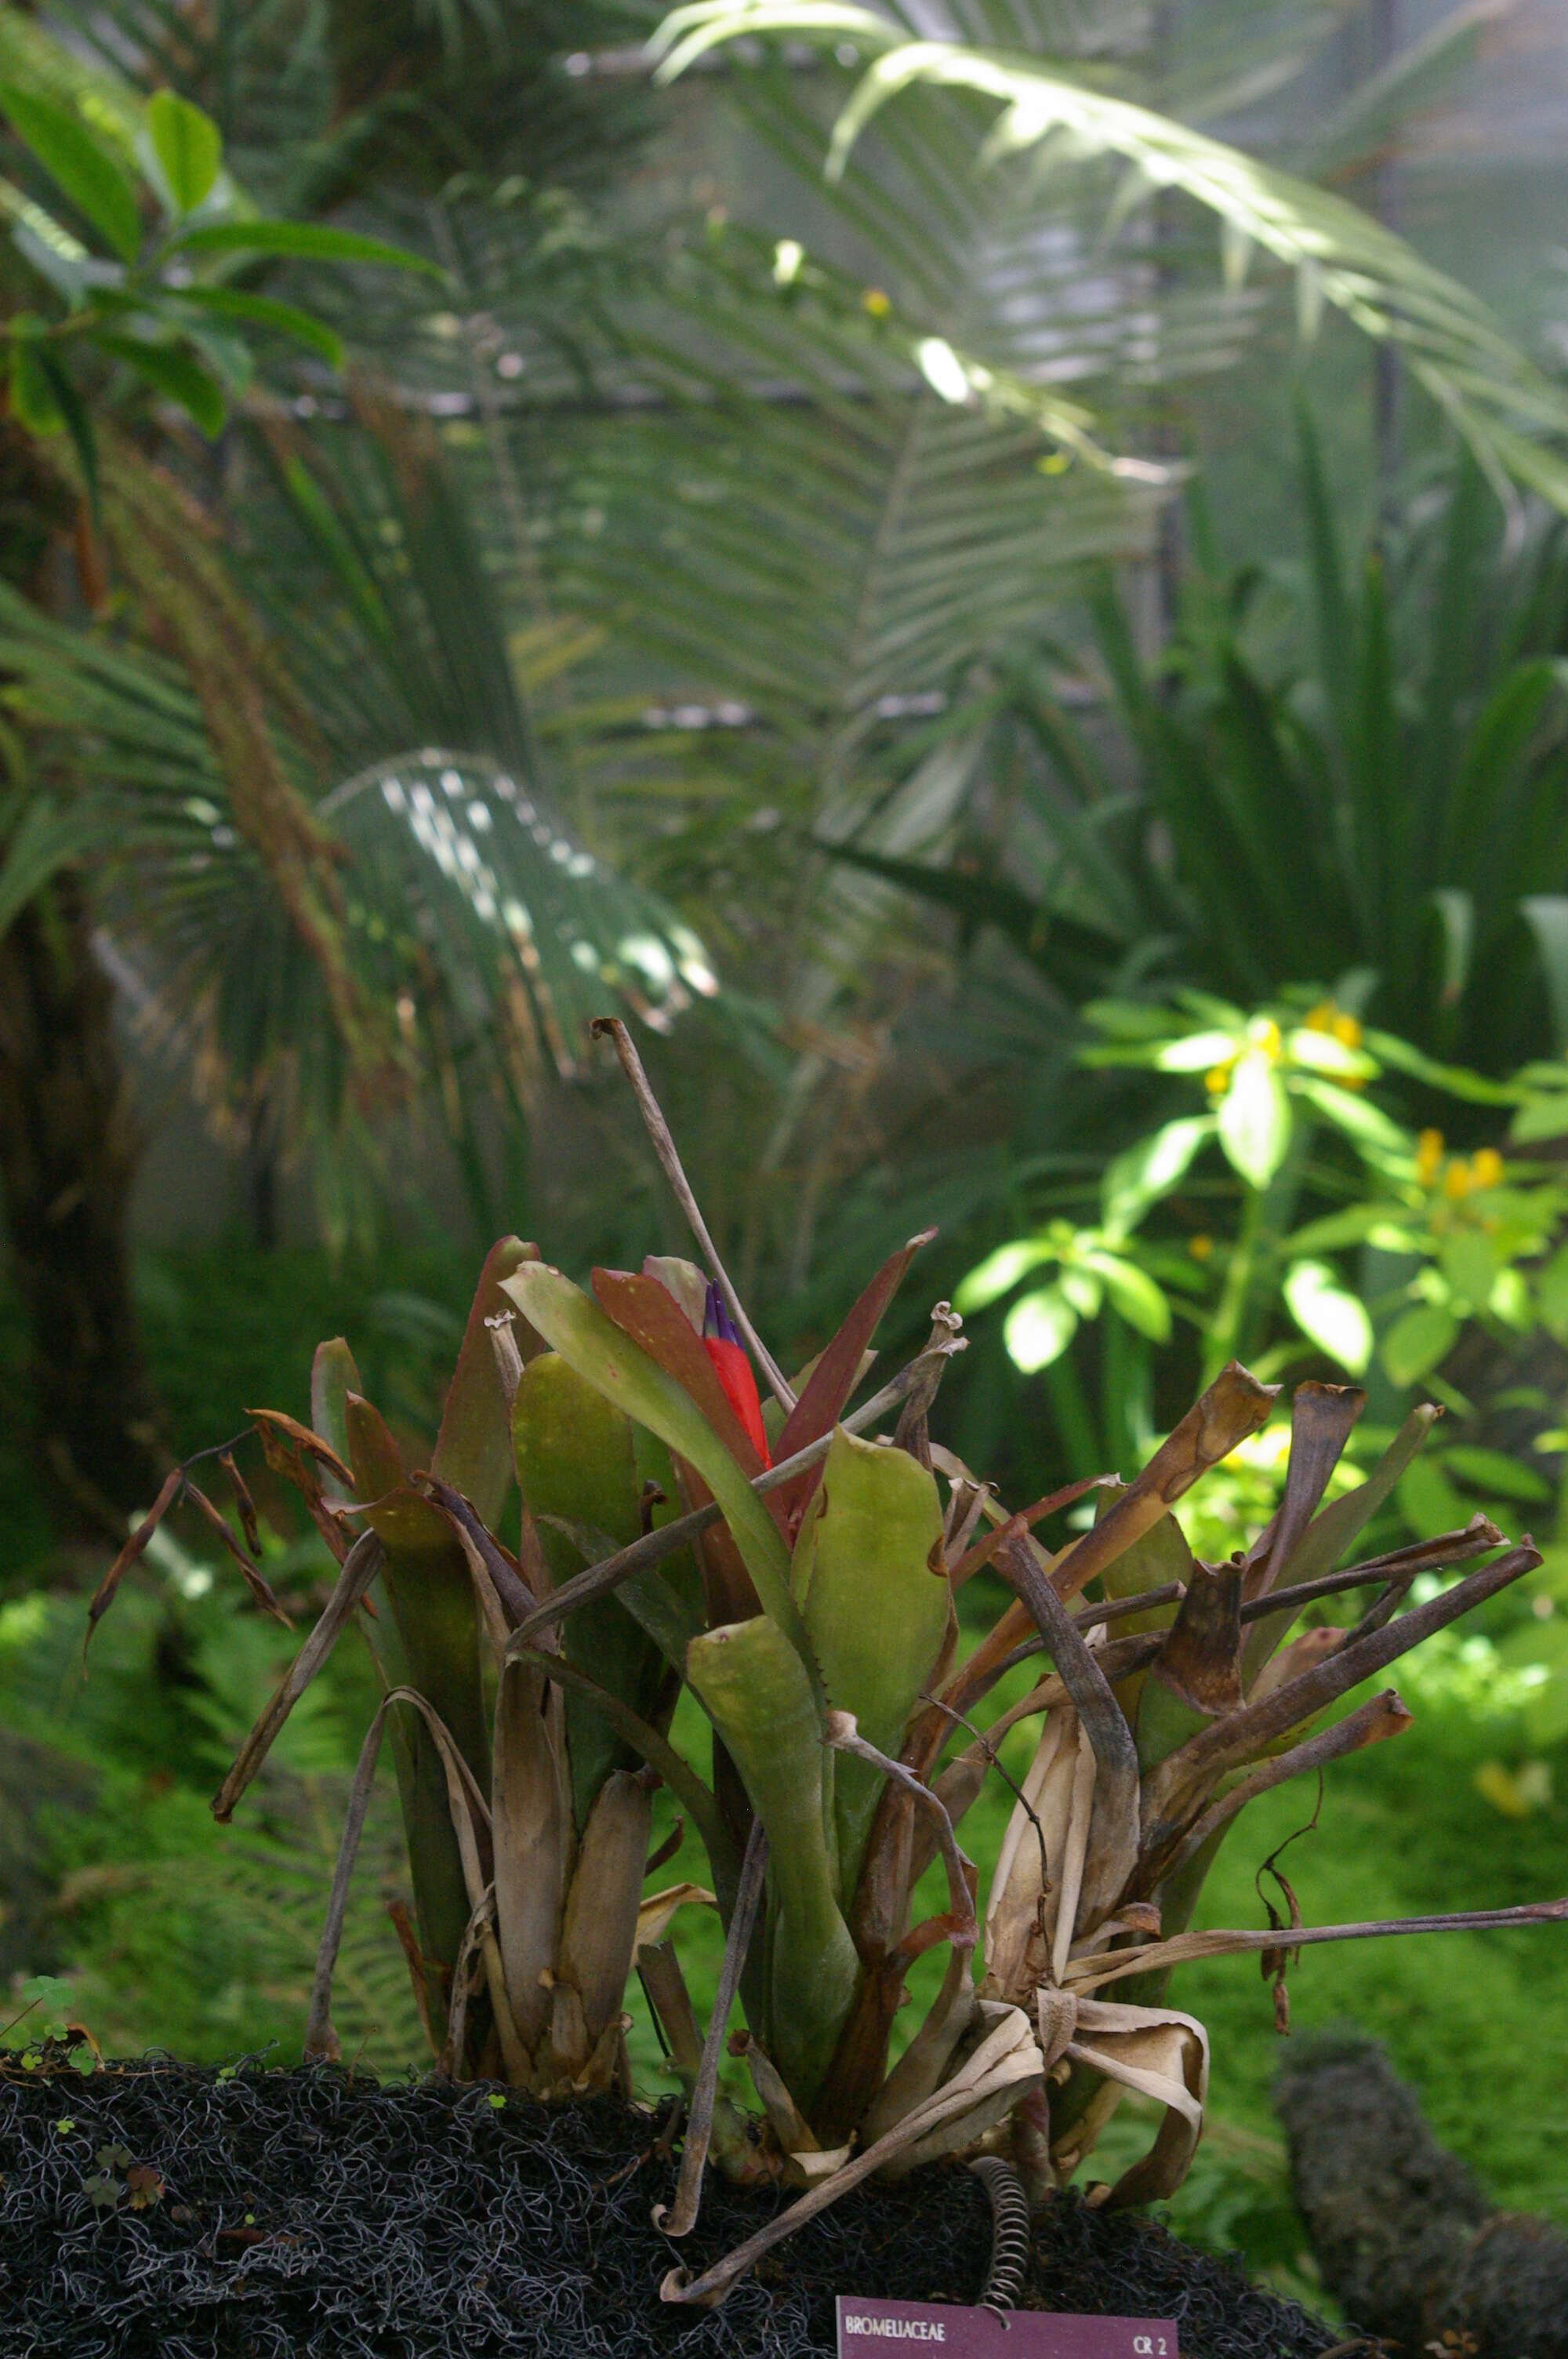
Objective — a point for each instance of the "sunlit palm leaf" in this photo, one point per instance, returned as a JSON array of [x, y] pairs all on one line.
[[1341, 258]]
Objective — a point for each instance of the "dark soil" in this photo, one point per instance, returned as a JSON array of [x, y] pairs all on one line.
[[307, 2215]]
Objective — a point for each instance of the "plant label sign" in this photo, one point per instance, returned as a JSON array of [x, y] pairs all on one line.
[[901, 2330]]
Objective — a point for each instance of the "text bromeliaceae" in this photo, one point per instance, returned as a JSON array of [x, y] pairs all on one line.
[[796, 1570]]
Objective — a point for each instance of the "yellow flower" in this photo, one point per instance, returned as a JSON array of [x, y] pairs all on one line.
[[1487, 1168], [1264, 1034], [1428, 1157], [876, 302], [1216, 1081], [1329, 1016], [1200, 1247], [1457, 1181]]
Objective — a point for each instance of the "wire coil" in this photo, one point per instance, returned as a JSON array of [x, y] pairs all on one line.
[[1010, 2231]]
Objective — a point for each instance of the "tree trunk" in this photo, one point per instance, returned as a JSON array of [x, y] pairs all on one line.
[[1405, 2238], [67, 1155]]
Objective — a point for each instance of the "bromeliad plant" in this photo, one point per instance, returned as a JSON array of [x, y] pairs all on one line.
[[797, 1571]]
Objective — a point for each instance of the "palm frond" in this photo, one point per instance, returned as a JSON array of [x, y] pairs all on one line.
[[1340, 257]]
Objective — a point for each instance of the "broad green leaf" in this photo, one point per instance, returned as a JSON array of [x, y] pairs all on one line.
[[1000, 1271], [1551, 1290], [577, 1461], [1361, 1121], [1196, 1053], [1428, 1500], [1544, 1117], [1255, 1119], [1352, 1226], [876, 1612], [1132, 1292], [1468, 1260], [1320, 1052], [301, 241], [33, 400], [333, 1376], [754, 1686], [1039, 1329], [1083, 1290], [1127, 1019], [82, 164], [580, 1331], [1332, 1316], [188, 147], [175, 375], [1418, 1340], [1138, 1178], [262, 311], [1495, 1471]]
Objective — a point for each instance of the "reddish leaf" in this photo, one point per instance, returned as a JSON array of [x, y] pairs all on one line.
[[275, 1421], [734, 1373], [833, 1379], [641, 1308], [474, 1449], [970, 1562], [255, 1580], [133, 1549], [400, 1518], [143, 2185], [243, 1500]]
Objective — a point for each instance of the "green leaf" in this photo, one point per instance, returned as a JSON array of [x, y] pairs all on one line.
[[1000, 1271], [1320, 1052], [576, 1461], [1139, 1177], [188, 147], [1039, 1329], [77, 423], [1428, 1500], [1468, 1260], [754, 1688], [33, 400], [1196, 1053], [1134, 1293], [1495, 1471], [1551, 1291], [1334, 1319], [301, 241], [1544, 1117], [592, 1344], [1360, 1121], [1417, 1341], [876, 1612], [262, 311], [177, 375], [1127, 1019], [81, 163], [1255, 1119]]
